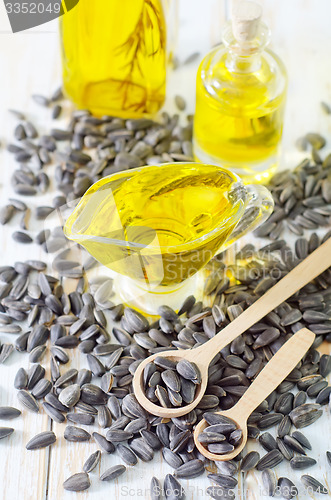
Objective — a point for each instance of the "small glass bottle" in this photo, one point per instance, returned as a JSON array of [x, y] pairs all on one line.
[[240, 99], [114, 56]]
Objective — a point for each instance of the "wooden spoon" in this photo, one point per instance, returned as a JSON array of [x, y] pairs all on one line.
[[275, 371], [311, 267]]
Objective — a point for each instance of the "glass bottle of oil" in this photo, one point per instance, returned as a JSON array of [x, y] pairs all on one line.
[[241, 90], [114, 56]]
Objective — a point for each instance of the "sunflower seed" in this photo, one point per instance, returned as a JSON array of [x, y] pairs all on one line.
[[173, 490], [302, 462], [80, 418], [270, 460], [284, 403], [93, 395], [77, 482], [136, 425], [284, 448], [180, 441], [28, 401], [104, 417], [5, 432], [136, 320], [53, 413], [41, 388], [324, 396], [229, 468], [325, 365], [6, 350], [37, 337], [103, 443], [113, 473], [305, 415], [118, 435], [210, 437], [92, 461], [37, 353], [269, 420], [171, 458], [171, 379], [6, 214], [189, 371], [51, 399], [95, 365], [187, 390], [265, 338], [114, 407], [312, 483], [41, 440], [301, 439], [287, 489], [155, 489], [127, 454], [269, 481], [21, 237], [284, 426], [220, 448], [227, 482], [180, 102], [252, 432], [294, 444], [315, 389], [299, 399], [75, 434], [142, 449], [249, 461], [8, 413], [41, 100]]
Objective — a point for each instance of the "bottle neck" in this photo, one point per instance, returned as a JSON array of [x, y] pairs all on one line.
[[243, 64], [245, 57]]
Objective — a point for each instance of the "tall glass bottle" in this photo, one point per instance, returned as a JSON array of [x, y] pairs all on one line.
[[114, 56], [241, 90]]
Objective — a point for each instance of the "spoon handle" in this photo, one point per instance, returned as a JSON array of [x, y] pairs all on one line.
[[312, 266], [276, 370]]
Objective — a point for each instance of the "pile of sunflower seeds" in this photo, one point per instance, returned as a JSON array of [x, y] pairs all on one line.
[[302, 196], [169, 383], [35, 306], [61, 322], [113, 145]]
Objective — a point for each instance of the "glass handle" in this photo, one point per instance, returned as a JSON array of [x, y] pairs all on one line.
[[258, 208]]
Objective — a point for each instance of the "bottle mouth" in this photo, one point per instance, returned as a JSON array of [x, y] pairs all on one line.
[[250, 47]]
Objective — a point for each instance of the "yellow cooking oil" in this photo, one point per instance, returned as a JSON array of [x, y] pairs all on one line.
[[159, 224], [240, 100], [114, 56]]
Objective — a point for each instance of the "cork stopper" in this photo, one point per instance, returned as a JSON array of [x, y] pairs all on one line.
[[246, 20]]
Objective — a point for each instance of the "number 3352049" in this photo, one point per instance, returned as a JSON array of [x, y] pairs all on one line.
[[33, 7]]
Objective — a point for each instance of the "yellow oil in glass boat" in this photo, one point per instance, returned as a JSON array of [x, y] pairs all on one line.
[[114, 56], [160, 224]]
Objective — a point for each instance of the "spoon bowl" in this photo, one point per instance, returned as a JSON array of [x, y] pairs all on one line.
[[173, 355], [241, 422]]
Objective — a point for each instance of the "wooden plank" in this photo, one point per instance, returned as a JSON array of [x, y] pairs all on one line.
[[23, 61], [21, 470]]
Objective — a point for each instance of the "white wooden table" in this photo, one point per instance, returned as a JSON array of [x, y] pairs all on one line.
[[29, 63]]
